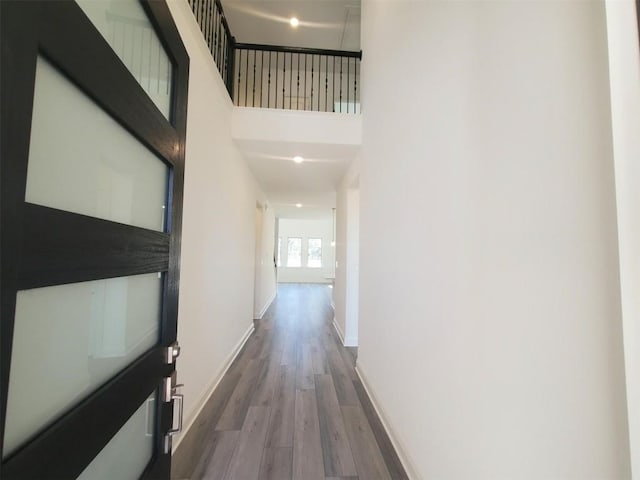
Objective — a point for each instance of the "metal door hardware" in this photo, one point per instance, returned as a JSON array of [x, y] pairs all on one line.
[[178, 397], [170, 394], [172, 352]]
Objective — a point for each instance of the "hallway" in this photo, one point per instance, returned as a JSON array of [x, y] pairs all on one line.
[[291, 405]]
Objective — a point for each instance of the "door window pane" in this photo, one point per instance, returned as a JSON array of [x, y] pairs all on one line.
[[294, 252], [83, 161], [70, 339], [128, 453], [314, 257], [125, 26]]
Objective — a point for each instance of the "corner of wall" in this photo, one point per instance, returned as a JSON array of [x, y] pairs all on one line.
[[267, 304], [624, 74]]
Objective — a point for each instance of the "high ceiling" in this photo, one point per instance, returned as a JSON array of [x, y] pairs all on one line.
[[327, 24]]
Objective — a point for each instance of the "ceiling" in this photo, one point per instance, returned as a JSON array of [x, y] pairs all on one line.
[[312, 183], [327, 24]]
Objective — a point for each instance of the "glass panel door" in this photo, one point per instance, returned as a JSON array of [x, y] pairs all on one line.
[[81, 160], [127, 454], [91, 197], [113, 322], [124, 24]]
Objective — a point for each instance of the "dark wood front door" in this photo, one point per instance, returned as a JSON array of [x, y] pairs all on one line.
[[93, 125]]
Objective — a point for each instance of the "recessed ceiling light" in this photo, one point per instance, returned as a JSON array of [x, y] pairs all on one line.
[[298, 205], [298, 159], [294, 22]]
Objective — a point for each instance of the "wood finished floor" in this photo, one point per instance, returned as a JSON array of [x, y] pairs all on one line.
[[291, 405]]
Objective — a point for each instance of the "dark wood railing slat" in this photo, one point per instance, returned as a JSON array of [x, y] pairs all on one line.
[[326, 81], [246, 77], [239, 74], [341, 85]]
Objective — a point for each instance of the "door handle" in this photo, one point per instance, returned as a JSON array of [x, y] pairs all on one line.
[[179, 398], [169, 394]]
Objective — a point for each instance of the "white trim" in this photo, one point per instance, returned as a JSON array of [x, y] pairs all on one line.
[[351, 342], [346, 341], [395, 441], [293, 282], [337, 327], [258, 316], [204, 398]]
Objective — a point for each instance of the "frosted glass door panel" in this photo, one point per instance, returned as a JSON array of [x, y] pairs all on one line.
[[126, 27], [83, 161], [129, 451], [70, 339]]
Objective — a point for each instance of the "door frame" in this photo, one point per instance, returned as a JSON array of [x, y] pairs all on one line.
[[42, 246]]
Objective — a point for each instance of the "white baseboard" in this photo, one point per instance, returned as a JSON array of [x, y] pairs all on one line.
[[204, 398], [395, 441], [351, 342], [259, 315]]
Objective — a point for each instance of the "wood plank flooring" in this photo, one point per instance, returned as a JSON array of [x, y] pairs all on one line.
[[291, 406]]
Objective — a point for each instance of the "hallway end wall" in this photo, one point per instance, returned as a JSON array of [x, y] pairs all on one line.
[[491, 333], [218, 240], [305, 229]]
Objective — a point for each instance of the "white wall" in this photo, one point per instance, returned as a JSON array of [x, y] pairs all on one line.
[[340, 285], [491, 332], [305, 229], [624, 71], [346, 290], [353, 267], [217, 274], [273, 125], [265, 281]]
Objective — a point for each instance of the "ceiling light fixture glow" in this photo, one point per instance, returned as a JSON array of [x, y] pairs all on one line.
[[298, 205], [294, 22], [298, 159]]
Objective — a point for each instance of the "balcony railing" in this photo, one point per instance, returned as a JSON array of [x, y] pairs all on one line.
[[297, 78], [269, 76], [215, 30]]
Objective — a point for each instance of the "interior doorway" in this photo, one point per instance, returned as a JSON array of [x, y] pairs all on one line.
[[265, 268]]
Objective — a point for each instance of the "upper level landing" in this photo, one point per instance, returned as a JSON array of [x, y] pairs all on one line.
[[290, 103]]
